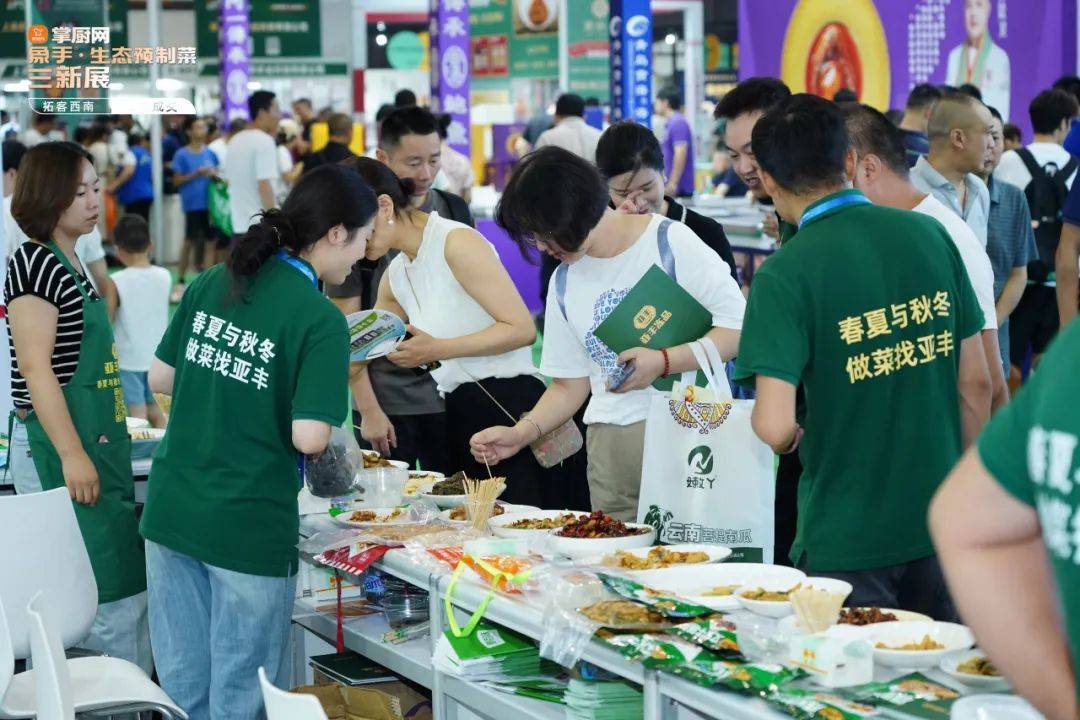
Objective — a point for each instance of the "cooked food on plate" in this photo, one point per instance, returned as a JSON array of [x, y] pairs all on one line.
[[542, 523], [453, 485], [658, 557], [927, 643], [721, 591], [763, 595], [617, 613], [374, 460], [598, 525], [461, 513], [978, 666], [864, 616], [415, 482], [370, 516]]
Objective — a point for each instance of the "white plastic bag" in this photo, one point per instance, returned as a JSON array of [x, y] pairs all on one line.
[[706, 477]]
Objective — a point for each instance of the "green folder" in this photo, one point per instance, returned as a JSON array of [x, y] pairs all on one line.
[[657, 313]]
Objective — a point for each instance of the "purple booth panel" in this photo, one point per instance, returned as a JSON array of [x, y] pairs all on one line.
[[525, 274]]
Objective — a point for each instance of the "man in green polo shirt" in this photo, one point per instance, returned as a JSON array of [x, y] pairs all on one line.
[[871, 310], [1015, 562]]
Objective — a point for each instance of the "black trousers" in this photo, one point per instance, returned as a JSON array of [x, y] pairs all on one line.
[[786, 510], [469, 410], [420, 438]]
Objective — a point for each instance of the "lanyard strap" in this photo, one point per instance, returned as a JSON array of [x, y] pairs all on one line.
[[836, 202], [304, 268]]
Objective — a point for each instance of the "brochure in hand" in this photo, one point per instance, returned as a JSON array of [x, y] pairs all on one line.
[[373, 334], [657, 313]]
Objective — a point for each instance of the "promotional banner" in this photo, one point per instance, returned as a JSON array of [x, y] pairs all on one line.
[[630, 32], [235, 58], [588, 49], [1010, 49], [68, 56], [518, 38], [278, 28], [449, 64]]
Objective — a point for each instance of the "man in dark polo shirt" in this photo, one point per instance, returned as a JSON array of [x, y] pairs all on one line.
[[401, 413]]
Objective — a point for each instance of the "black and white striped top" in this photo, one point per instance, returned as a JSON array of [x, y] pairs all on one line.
[[35, 270]]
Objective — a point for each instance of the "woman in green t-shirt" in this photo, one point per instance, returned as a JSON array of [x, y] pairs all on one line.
[[257, 361]]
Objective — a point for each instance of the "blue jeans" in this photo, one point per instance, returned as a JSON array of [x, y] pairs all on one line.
[[136, 387], [211, 630], [120, 628]]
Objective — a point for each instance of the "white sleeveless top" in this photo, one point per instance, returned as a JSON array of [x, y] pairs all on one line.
[[442, 308]]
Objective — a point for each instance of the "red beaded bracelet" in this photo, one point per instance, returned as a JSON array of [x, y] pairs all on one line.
[[667, 362]]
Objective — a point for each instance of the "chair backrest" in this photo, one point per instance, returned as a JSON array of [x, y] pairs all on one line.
[[281, 705], [7, 657], [52, 679], [43, 551]]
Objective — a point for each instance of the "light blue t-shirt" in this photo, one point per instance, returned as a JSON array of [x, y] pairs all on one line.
[[193, 193]]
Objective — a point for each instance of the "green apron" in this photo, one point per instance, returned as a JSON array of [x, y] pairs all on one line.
[[96, 404]]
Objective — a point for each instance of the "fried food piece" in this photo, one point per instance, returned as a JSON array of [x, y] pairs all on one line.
[[542, 523], [763, 595], [927, 643], [370, 516], [658, 557], [978, 666], [864, 616], [721, 591], [598, 525], [461, 513], [618, 613], [373, 460]]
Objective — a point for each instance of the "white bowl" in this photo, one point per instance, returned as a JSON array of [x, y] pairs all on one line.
[[953, 636], [499, 524], [578, 548], [994, 707], [950, 663], [783, 608], [716, 553], [690, 581]]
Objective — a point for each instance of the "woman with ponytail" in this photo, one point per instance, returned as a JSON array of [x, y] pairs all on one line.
[[468, 324], [257, 362]]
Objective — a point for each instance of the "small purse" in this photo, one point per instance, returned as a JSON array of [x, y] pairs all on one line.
[[553, 447]]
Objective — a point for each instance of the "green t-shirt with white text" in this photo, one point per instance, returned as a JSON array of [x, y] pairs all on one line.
[[224, 481], [866, 307]]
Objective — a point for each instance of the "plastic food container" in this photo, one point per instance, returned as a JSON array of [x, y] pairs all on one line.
[[383, 486]]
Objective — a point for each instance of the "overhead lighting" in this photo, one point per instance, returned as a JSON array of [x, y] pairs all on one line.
[[380, 26], [169, 84], [380, 40], [671, 38], [21, 86], [254, 85]]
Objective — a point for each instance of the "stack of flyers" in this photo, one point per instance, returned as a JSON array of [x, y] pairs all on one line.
[[501, 659], [373, 334], [603, 700]]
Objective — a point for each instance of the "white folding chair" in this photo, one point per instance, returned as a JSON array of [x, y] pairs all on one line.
[[45, 563], [52, 681], [7, 657], [281, 705]]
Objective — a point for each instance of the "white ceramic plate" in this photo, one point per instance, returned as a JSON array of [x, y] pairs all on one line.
[[950, 663], [994, 707], [954, 637], [578, 548], [779, 609], [716, 553], [404, 518], [791, 623], [692, 581], [134, 423], [420, 479], [444, 502], [445, 514], [499, 524]]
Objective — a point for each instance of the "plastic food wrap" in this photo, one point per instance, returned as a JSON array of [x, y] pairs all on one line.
[[333, 472]]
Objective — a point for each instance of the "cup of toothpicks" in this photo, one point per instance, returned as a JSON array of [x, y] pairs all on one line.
[[480, 499]]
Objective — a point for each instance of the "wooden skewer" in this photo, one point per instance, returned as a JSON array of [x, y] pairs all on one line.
[[490, 477]]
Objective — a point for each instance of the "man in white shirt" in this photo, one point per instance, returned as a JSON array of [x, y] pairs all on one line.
[[251, 162], [1045, 171], [40, 130], [961, 142], [571, 133], [881, 172]]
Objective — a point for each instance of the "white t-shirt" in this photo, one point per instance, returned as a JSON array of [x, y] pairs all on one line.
[[88, 248], [285, 164], [574, 135], [594, 286], [32, 137], [218, 148], [972, 254], [251, 157], [1012, 169], [142, 316]]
